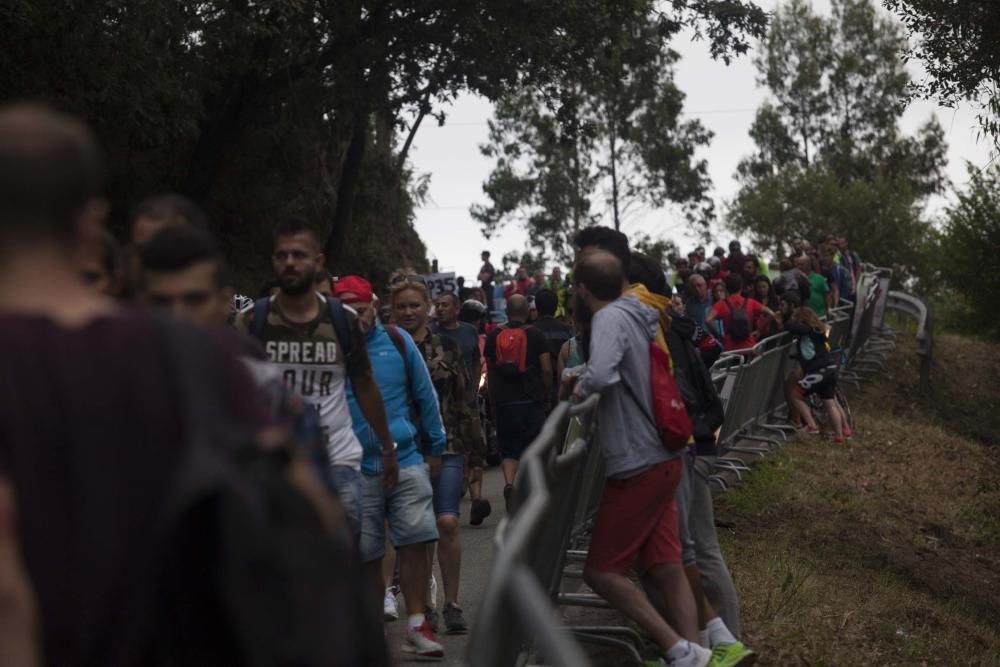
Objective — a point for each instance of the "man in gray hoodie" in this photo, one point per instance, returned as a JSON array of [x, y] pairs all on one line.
[[637, 520]]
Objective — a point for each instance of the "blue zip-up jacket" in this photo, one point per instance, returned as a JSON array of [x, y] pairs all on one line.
[[391, 375]]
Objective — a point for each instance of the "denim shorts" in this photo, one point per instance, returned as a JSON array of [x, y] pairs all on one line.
[[409, 509], [347, 482], [448, 485]]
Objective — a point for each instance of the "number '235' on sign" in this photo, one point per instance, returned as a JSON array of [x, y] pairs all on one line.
[[440, 283]]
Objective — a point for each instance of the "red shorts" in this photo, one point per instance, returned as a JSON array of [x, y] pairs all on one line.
[[638, 518]]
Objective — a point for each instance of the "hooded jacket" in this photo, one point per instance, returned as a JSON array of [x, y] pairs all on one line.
[[401, 382], [620, 335]]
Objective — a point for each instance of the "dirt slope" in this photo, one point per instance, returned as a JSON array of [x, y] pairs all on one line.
[[885, 551]]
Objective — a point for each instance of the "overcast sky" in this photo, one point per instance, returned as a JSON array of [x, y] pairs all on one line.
[[723, 98]]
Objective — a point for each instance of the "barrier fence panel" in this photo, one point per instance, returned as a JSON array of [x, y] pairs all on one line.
[[558, 488]]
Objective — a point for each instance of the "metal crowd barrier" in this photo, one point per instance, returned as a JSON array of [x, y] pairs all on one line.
[[915, 308], [558, 488], [517, 617]]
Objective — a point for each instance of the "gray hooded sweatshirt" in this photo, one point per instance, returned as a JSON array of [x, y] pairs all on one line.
[[619, 352]]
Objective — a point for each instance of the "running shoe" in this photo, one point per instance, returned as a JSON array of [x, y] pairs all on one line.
[[454, 621], [420, 642], [811, 430], [390, 609], [696, 657], [732, 655], [847, 433], [481, 509]]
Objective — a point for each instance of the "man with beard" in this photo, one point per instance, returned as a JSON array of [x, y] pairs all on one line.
[[318, 345]]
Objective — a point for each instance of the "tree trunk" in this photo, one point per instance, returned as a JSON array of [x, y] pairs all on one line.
[[614, 178], [349, 177]]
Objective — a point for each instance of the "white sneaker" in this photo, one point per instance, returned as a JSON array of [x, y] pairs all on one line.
[[696, 657], [420, 642], [433, 592], [390, 609]]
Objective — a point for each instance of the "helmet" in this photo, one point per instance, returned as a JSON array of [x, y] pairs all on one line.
[[714, 262], [472, 311]]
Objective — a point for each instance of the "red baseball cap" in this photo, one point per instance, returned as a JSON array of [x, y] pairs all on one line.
[[353, 289]]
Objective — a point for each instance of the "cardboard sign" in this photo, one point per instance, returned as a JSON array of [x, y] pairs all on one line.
[[440, 283]]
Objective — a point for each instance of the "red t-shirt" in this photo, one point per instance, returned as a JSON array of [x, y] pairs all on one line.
[[723, 313]]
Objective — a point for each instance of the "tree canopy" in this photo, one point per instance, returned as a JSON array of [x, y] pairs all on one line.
[[260, 108], [957, 44], [830, 156]]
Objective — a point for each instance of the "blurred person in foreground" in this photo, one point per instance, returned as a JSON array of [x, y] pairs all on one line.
[[145, 586]]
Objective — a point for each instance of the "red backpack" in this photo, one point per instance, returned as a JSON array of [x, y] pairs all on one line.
[[511, 351], [669, 416]]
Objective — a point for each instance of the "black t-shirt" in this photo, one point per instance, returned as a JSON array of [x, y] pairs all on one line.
[[467, 338], [522, 388], [487, 268], [556, 332]]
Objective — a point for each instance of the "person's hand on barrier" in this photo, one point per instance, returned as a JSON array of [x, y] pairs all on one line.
[[434, 463], [567, 383], [390, 470]]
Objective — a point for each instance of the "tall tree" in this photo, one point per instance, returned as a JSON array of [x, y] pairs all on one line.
[[611, 129], [957, 44], [830, 156], [258, 108], [967, 252]]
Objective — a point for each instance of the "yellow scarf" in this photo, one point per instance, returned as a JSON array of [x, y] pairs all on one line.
[[660, 304]]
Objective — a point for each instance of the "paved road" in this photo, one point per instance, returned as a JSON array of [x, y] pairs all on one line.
[[477, 552]]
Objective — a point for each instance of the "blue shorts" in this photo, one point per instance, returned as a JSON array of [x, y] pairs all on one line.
[[518, 424], [448, 485], [347, 482], [408, 508]]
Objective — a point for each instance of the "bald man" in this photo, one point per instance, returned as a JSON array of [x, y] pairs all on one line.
[[520, 385]]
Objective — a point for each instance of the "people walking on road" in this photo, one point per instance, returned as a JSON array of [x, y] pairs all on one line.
[[467, 337], [406, 508], [557, 332], [519, 381], [637, 518], [443, 356], [318, 345], [89, 388]]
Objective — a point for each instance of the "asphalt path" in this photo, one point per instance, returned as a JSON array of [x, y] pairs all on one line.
[[477, 553]]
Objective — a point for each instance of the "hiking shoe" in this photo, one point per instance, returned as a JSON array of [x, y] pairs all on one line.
[[454, 621], [420, 642], [390, 609], [481, 509], [431, 617], [847, 433], [733, 655], [508, 491]]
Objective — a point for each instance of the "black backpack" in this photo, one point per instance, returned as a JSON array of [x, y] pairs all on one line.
[[739, 321], [252, 576]]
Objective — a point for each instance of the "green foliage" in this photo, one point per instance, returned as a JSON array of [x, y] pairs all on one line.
[[969, 251], [611, 125], [830, 156], [957, 44], [663, 251]]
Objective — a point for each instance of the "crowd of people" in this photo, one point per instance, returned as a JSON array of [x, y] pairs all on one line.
[[246, 485]]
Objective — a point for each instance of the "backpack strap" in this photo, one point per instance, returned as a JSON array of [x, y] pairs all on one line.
[[340, 324], [260, 308]]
